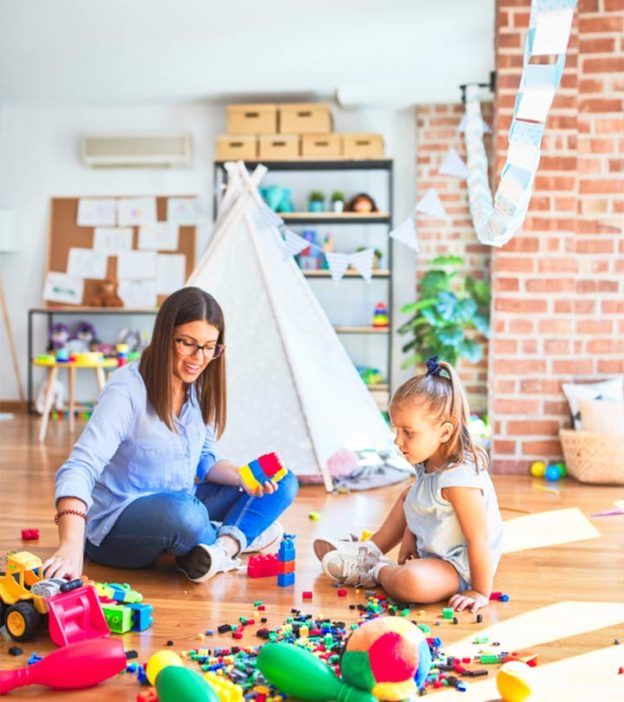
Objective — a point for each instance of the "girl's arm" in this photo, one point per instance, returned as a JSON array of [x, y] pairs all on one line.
[[469, 506], [407, 549]]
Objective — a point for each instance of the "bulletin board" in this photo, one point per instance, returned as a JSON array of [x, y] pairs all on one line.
[[65, 233]]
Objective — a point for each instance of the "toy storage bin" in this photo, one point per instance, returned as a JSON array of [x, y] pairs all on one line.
[[593, 458], [362, 146], [305, 118], [236, 148], [278, 147], [252, 119], [321, 146]]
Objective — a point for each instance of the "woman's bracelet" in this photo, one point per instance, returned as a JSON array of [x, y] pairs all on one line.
[[78, 513]]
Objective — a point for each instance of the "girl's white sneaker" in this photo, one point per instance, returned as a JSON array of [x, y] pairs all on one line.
[[349, 568], [348, 545], [204, 561]]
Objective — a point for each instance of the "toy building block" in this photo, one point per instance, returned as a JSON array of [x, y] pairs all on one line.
[[285, 579], [287, 548], [141, 616], [30, 534], [307, 595], [267, 467], [118, 618], [226, 690], [124, 593], [147, 696], [286, 567], [262, 565]]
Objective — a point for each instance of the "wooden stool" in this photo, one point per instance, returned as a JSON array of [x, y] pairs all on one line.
[[71, 366]]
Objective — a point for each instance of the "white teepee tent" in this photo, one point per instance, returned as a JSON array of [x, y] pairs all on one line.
[[292, 388]]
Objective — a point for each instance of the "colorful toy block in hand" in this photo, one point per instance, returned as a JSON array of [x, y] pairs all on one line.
[[263, 469]]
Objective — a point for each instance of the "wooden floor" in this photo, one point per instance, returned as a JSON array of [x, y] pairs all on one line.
[[566, 599]]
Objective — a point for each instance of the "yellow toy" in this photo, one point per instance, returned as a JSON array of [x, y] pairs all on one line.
[[262, 470], [515, 682], [538, 469], [226, 690], [160, 660]]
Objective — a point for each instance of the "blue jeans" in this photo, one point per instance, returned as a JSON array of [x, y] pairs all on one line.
[[177, 521]]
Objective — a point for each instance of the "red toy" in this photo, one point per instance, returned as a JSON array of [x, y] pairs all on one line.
[[147, 696], [74, 667], [341, 592], [76, 616], [30, 534], [262, 565], [307, 595]]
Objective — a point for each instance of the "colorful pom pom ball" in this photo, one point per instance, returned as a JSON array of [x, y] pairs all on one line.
[[553, 472], [515, 682], [387, 656], [538, 468]]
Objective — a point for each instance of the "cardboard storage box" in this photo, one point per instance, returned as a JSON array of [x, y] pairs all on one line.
[[236, 148], [278, 147], [252, 119], [321, 145], [305, 118], [362, 146]]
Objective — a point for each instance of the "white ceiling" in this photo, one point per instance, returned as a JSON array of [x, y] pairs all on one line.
[[392, 52]]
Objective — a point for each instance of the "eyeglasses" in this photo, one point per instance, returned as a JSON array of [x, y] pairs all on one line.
[[190, 348]]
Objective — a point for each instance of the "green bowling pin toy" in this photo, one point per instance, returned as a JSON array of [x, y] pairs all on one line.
[[298, 673], [176, 684]]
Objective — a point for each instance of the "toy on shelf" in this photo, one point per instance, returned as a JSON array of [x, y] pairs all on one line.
[[262, 565], [338, 201], [278, 199], [122, 354], [286, 561], [311, 258], [83, 338], [388, 656], [135, 339], [316, 201], [73, 667], [371, 376], [377, 256], [106, 295], [74, 611], [362, 203], [380, 316], [58, 337], [267, 467], [298, 673]]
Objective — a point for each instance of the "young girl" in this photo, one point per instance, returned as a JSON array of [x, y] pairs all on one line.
[[447, 523]]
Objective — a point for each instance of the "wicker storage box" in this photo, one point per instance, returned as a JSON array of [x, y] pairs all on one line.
[[236, 148], [593, 458], [305, 118], [252, 119], [278, 147], [321, 145], [362, 146]]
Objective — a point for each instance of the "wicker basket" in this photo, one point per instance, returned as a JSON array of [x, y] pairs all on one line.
[[593, 458]]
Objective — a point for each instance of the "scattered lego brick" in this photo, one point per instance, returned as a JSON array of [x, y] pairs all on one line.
[[341, 592], [314, 516], [307, 595], [30, 534], [131, 654], [15, 651]]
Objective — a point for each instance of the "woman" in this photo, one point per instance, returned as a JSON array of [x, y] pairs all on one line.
[[145, 476]]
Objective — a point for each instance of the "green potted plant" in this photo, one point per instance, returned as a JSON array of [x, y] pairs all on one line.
[[338, 201], [447, 314], [316, 201]]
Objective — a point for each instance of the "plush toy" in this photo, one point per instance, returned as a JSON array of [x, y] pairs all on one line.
[[83, 338], [106, 296], [58, 336], [388, 656], [362, 203]]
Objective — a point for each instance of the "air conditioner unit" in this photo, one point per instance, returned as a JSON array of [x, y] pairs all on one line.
[[161, 150]]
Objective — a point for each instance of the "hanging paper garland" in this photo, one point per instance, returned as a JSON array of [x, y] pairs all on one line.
[[406, 234], [453, 165], [497, 220]]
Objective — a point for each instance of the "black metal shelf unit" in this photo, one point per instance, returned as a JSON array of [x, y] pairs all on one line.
[[386, 165]]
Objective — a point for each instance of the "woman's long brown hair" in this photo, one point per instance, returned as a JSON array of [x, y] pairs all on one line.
[[156, 367], [445, 398]]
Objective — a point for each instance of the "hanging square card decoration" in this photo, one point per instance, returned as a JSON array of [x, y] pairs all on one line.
[[551, 32]]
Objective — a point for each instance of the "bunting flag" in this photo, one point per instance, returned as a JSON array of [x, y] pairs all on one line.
[[293, 243], [265, 218], [362, 261], [496, 219], [406, 234], [453, 165], [483, 126], [430, 204]]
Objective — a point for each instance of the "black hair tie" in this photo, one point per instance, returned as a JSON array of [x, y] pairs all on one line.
[[433, 367]]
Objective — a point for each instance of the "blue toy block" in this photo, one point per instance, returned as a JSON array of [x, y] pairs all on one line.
[[285, 579], [258, 473], [141, 616], [287, 548]]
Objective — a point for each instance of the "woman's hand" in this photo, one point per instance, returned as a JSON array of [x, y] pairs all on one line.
[[407, 550], [66, 563], [470, 599], [267, 488]]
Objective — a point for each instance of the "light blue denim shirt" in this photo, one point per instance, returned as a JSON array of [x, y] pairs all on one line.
[[434, 522], [126, 451]]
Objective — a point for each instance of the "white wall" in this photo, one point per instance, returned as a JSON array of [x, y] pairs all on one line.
[[39, 160]]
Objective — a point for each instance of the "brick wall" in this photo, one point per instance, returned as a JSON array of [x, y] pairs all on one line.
[[558, 305], [436, 133]]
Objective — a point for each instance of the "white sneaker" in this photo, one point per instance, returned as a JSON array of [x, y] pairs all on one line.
[[269, 536], [204, 561], [353, 569], [348, 545]]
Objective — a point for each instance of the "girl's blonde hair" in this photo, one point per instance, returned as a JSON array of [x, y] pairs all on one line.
[[445, 398]]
